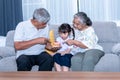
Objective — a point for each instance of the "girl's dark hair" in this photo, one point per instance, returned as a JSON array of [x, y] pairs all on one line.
[[84, 19], [66, 28]]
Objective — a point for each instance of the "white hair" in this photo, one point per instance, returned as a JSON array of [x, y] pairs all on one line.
[[41, 15]]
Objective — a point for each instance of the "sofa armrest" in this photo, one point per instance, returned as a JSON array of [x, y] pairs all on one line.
[[7, 51]]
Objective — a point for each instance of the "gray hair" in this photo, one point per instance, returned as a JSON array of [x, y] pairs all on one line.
[[41, 15], [84, 19]]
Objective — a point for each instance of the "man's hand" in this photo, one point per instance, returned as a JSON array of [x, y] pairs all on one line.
[[42, 40], [21, 45]]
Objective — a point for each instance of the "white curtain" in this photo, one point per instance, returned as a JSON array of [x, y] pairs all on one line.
[[101, 10], [61, 11], [30, 5]]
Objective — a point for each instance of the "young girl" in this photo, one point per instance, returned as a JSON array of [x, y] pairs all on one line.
[[62, 58]]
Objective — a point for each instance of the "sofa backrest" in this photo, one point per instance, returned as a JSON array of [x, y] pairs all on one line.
[[118, 28], [10, 39], [55, 28], [10, 35], [107, 33]]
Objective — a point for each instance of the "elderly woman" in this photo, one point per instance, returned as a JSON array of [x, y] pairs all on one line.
[[86, 50]]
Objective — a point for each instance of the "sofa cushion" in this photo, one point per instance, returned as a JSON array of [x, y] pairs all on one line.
[[1, 57], [106, 31], [107, 47], [8, 64], [55, 29], [118, 28], [7, 51], [108, 63], [2, 41], [116, 49], [10, 38]]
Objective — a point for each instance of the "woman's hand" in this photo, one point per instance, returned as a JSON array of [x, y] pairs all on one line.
[[76, 43]]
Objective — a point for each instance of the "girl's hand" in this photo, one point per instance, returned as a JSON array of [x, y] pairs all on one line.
[[70, 42], [67, 51]]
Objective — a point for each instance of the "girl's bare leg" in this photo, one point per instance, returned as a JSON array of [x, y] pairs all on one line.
[[64, 68], [57, 67]]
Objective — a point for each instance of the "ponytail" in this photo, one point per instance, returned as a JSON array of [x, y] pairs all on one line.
[[73, 32]]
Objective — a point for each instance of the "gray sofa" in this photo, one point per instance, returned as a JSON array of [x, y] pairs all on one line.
[[108, 34]]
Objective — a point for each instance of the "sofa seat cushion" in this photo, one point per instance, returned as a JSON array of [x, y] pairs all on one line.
[[9, 64], [108, 63]]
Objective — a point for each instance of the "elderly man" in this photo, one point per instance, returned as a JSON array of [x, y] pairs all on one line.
[[29, 41]]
